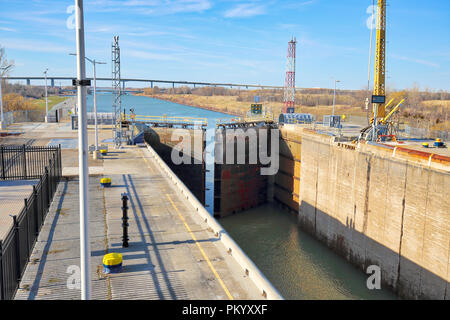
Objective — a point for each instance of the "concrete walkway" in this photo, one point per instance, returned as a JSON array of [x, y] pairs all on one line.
[[172, 254], [12, 195]]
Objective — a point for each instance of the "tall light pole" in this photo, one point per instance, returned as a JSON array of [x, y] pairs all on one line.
[[334, 96], [2, 120], [46, 96], [94, 62], [85, 250], [95, 105]]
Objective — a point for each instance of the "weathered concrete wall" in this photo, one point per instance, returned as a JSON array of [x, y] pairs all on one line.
[[378, 209], [287, 180], [238, 187], [193, 174]]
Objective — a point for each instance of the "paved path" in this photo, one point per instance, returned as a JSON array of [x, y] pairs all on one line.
[[12, 195], [172, 255]]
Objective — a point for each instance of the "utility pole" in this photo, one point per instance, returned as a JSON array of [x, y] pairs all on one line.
[[2, 120], [85, 250], [370, 61], [95, 105], [334, 96], [117, 92], [46, 96], [94, 62]]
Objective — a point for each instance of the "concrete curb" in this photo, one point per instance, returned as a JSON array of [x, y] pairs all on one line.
[[249, 268]]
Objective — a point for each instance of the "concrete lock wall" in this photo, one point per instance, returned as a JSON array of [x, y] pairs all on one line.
[[287, 180], [238, 187], [378, 209], [192, 173]]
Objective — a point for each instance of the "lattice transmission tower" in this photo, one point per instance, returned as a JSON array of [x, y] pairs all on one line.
[[117, 92], [289, 85]]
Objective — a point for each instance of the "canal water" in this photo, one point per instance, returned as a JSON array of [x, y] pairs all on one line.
[[154, 107], [298, 265]]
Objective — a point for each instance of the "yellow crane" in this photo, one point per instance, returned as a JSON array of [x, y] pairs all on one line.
[[379, 122], [385, 119], [379, 88]]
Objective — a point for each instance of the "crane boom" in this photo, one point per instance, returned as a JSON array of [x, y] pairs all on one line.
[[379, 88], [393, 110]]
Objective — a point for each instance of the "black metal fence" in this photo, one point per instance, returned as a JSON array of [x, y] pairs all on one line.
[[16, 248], [24, 162]]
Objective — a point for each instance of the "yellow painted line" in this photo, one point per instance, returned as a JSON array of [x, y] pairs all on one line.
[[201, 250], [146, 161]]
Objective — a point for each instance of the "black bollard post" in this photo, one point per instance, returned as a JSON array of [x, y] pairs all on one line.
[[125, 220]]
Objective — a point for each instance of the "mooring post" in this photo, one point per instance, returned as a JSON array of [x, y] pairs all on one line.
[[125, 220]]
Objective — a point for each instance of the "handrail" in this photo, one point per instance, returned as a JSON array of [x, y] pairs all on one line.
[[263, 117], [164, 119]]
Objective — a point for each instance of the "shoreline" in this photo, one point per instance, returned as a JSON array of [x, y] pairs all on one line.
[[174, 100]]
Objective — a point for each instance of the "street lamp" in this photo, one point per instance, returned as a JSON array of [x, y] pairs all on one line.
[[334, 96], [85, 249], [46, 96], [2, 120], [95, 101]]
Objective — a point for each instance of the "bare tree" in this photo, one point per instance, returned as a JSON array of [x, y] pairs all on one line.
[[5, 65]]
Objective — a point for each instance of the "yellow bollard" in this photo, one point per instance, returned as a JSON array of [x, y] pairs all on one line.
[[112, 263], [105, 182]]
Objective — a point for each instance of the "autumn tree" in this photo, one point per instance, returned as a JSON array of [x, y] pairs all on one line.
[[5, 65]]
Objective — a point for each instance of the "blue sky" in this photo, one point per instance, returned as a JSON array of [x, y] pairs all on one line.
[[233, 41]]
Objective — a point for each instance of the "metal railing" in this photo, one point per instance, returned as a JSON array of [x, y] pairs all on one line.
[[103, 118], [267, 117], [165, 119], [17, 246], [24, 162], [406, 131], [24, 116]]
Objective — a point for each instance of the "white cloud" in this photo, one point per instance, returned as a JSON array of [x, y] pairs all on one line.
[[288, 26], [245, 10], [152, 7], [7, 29], [35, 46], [298, 5], [181, 6], [419, 61], [151, 56]]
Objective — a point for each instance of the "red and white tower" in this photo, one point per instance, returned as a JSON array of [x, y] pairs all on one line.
[[289, 85]]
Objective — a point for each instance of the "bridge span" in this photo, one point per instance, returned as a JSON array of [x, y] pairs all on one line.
[[151, 82]]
